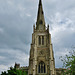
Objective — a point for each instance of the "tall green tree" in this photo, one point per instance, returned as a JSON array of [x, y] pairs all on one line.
[[69, 63]]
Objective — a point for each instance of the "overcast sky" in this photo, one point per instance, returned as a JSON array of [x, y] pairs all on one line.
[[16, 26]]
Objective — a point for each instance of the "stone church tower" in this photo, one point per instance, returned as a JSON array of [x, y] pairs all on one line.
[[41, 61]]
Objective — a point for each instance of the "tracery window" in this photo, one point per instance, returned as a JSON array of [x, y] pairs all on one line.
[[41, 67]]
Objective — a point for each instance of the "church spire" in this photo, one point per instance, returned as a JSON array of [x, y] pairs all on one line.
[[40, 17]]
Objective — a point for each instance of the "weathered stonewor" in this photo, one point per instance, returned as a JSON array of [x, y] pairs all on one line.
[[41, 60]]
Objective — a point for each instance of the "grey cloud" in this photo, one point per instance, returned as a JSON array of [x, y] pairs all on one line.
[[12, 56]]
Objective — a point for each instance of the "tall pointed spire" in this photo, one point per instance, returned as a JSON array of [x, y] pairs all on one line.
[[40, 3], [40, 17]]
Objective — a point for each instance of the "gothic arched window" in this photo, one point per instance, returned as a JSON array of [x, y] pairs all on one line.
[[39, 40], [41, 67], [42, 40]]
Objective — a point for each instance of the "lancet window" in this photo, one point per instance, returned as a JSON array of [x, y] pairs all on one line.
[[41, 40]]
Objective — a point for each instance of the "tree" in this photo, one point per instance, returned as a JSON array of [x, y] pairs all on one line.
[[69, 63], [4, 73], [14, 71]]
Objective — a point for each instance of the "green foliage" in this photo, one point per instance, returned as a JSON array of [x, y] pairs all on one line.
[[69, 63], [4, 73], [14, 71]]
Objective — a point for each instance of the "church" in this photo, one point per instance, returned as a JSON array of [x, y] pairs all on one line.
[[41, 60]]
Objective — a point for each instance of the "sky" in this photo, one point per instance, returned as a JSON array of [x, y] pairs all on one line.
[[17, 18]]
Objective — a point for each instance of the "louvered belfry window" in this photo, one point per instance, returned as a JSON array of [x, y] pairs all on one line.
[[41, 40]]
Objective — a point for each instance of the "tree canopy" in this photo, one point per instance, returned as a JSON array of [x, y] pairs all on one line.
[[14, 71], [69, 63]]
